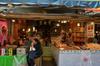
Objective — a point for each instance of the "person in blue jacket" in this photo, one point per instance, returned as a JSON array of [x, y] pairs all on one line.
[[34, 50]]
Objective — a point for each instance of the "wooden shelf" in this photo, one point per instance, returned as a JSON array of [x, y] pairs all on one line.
[[79, 34]]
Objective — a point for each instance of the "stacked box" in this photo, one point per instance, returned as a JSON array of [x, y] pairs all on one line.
[[20, 60], [10, 51], [21, 51], [2, 51]]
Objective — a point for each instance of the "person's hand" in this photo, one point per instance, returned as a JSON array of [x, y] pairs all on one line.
[[33, 42]]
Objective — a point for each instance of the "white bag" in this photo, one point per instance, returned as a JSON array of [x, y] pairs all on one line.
[[21, 51]]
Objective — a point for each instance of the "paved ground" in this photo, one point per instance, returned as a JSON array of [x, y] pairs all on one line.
[[47, 57], [48, 62]]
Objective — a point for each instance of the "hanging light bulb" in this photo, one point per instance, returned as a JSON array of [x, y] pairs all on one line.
[[57, 24], [97, 32], [64, 21], [33, 28], [29, 29], [92, 23], [23, 30], [55, 30], [78, 24], [13, 20]]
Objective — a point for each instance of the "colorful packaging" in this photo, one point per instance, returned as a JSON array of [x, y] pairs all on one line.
[[10, 51], [21, 51], [2, 51]]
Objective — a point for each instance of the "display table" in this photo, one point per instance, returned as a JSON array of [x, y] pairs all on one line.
[[6, 60], [18, 60], [76, 57]]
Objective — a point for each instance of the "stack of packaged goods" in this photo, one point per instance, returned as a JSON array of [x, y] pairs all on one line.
[[10, 51], [21, 51], [20, 57], [93, 46], [3, 51], [6, 51]]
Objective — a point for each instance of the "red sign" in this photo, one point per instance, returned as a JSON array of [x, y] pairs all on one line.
[[90, 30]]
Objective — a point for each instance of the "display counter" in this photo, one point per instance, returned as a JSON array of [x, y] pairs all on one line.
[[12, 57], [66, 54], [6, 60], [18, 60], [67, 57]]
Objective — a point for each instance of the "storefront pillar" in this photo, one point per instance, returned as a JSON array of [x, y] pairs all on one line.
[[10, 27]]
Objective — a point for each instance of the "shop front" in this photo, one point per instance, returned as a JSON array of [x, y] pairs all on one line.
[[69, 36]]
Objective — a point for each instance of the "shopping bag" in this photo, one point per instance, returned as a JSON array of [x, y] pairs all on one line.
[[21, 51], [20, 60]]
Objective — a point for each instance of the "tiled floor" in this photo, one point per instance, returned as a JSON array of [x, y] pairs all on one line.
[[48, 62], [47, 57]]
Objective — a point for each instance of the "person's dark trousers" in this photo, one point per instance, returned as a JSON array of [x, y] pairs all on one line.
[[30, 58], [30, 62]]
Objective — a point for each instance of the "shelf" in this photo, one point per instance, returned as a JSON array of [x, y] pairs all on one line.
[[79, 41], [78, 32], [79, 36]]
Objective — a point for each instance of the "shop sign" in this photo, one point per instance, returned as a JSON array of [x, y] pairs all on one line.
[[90, 30]]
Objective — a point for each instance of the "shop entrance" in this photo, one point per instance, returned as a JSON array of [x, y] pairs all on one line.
[[45, 28]]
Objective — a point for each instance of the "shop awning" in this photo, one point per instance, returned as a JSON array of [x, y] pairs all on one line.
[[52, 12], [68, 3]]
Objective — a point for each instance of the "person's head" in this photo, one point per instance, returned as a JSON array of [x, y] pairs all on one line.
[[35, 41], [21, 42], [4, 29], [63, 33]]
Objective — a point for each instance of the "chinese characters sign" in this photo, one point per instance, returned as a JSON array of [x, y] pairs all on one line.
[[90, 30]]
